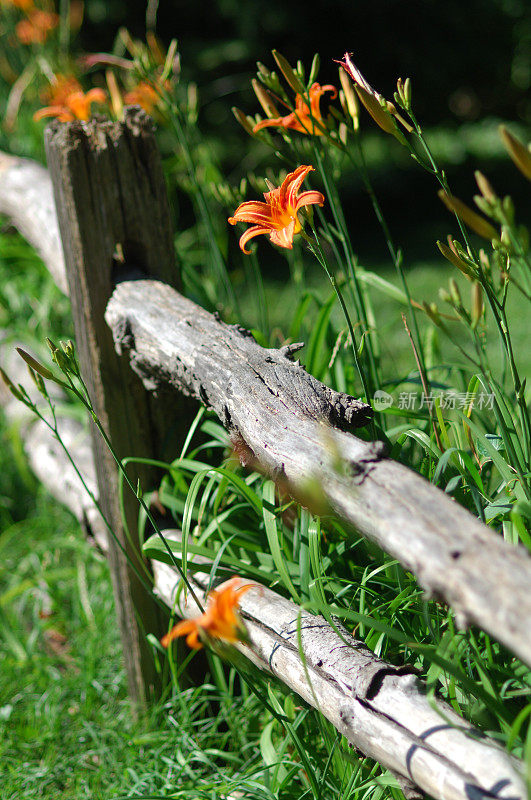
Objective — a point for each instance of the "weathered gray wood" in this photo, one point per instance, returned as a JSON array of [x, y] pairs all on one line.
[[279, 417], [380, 708], [113, 216], [26, 197]]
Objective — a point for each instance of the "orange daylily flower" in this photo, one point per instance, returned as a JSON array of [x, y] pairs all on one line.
[[36, 27], [220, 619], [278, 216], [143, 95], [304, 117], [68, 101]]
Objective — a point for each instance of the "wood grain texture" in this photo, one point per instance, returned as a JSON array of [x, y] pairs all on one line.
[[113, 217], [380, 708], [281, 418]]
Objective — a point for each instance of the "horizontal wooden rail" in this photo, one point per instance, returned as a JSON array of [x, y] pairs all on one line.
[[380, 708], [280, 416]]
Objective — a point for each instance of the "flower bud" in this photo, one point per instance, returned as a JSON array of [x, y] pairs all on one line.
[[264, 99], [455, 294], [243, 120], [476, 223], [351, 99], [484, 187], [454, 259], [37, 380], [11, 386], [35, 365], [288, 72], [476, 296], [517, 151]]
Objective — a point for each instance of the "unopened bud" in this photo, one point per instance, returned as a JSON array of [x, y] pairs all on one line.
[[244, 121], [10, 385], [508, 208], [476, 296], [37, 380], [314, 70], [51, 345], [288, 72], [483, 205], [263, 70], [485, 262], [351, 100], [35, 365], [476, 223], [264, 99], [455, 294], [517, 151], [432, 311], [404, 92], [454, 259], [484, 187], [61, 360], [444, 296]]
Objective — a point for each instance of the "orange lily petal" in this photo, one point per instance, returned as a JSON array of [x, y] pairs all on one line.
[[251, 211], [181, 629], [284, 236], [249, 234], [309, 198]]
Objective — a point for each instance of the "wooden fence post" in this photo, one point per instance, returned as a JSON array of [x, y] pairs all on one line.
[[114, 219]]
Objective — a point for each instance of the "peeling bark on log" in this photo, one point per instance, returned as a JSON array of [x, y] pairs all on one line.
[[380, 708], [282, 418]]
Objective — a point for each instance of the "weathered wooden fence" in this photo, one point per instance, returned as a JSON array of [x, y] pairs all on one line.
[[114, 222]]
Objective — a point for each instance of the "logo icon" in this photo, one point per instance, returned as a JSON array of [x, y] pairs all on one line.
[[381, 400]]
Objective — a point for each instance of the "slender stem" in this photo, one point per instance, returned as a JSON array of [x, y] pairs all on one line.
[[318, 252]]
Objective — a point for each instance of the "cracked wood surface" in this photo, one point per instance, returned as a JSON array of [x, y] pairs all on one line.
[[380, 708], [281, 418]]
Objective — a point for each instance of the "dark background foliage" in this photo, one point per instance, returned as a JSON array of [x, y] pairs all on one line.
[[468, 61]]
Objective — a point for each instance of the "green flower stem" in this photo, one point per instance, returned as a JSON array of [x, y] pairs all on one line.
[[317, 250], [340, 223], [396, 255]]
